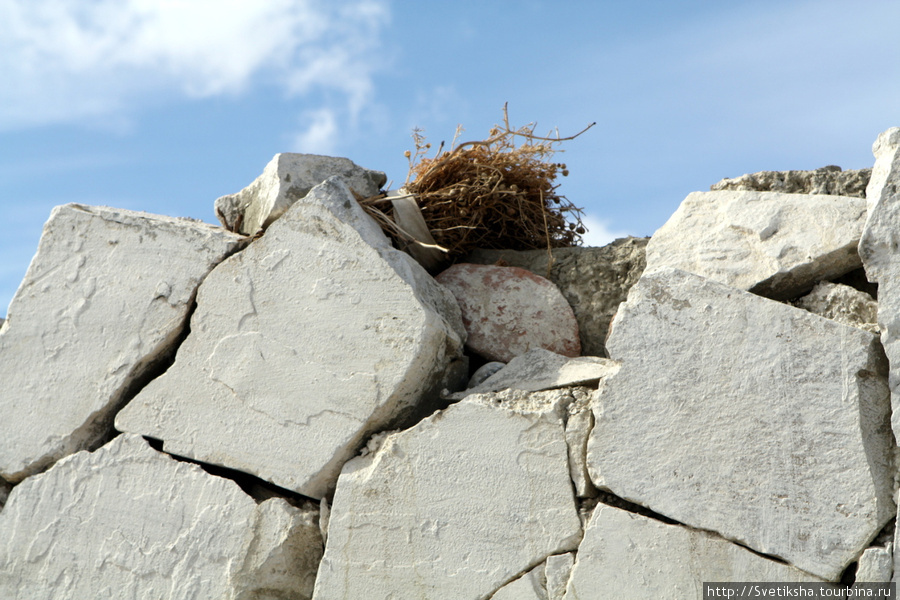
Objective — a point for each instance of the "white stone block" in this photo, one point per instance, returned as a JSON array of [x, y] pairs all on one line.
[[129, 522], [748, 417], [530, 586], [631, 557], [104, 299], [557, 570], [285, 180], [775, 245], [876, 565], [316, 336], [454, 507]]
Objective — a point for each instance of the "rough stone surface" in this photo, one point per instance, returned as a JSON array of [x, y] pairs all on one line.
[[530, 586], [556, 573], [878, 249], [876, 565], [593, 280], [286, 179], [829, 180], [631, 557], [759, 421], [843, 304], [302, 346], [579, 424], [774, 245], [104, 300], [456, 506], [539, 369], [508, 311], [129, 522]]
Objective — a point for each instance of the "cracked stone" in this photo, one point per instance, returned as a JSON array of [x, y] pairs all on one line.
[[105, 297], [315, 337]]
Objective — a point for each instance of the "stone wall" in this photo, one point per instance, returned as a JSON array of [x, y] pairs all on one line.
[[288, 407]]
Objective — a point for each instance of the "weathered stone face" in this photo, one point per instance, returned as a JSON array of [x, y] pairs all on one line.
[[314, 337], [455, 506], [593, 280], [774, 245], [757, 420], [133, 523], [105, 298], [508, 311], [630, 557], [285, 180], [827, 180]]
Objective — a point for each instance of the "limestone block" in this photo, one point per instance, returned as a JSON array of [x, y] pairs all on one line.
[[876, 565], [530, 586], [756, 420], [454, 507], [878, 249], [843, 304], [105, 298], [539, 369], [129, 522], [593, 280], [775, 245], [286, 179], [302, 346], [631, 557], [508, 311], [557, 570], [827, 180]]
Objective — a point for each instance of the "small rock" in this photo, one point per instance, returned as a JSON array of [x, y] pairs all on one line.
[[483, 372], [829, 180], [843, 304], [557, 570], [876, 565], [129, 522], [286, 179], [629, 556], [539, 369], [104, 300], [508, 311], [302, 346], [774, 245], [456, 506], [593, 280], [757, 420]]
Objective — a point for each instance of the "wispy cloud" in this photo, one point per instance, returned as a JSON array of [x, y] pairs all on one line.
[[62, 60], [599, 232], [319, 134]]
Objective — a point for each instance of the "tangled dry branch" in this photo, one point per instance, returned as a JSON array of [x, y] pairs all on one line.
[[494, 193]]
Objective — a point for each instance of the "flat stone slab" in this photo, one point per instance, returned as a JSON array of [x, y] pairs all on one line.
[[105, 298], [129, 522], [748, 417], [539, 369], [775, 245], [286, 179], [316, 336], [508, 311], [593, 280], [631, 557], [455, 507]]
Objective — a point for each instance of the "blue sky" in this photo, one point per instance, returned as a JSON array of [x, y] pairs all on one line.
[[164, 105]]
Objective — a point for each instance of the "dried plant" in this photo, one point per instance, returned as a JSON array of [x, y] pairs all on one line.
[[495, 193]]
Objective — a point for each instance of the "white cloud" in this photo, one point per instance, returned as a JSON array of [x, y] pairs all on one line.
[[599, 232], [320, 134], [62, 60]]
